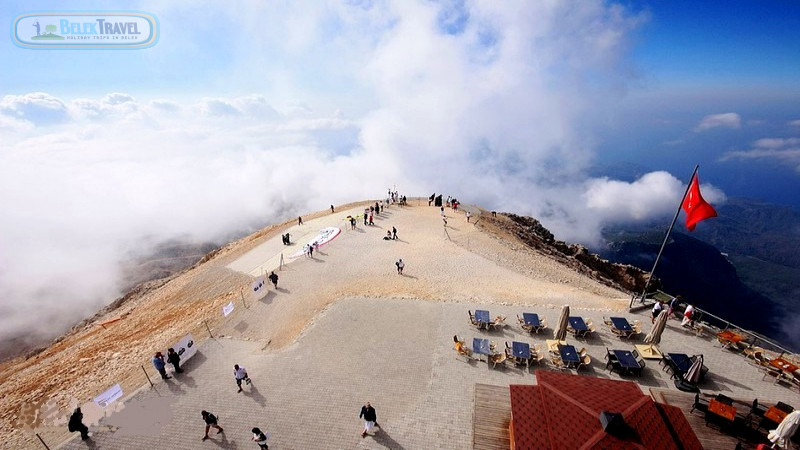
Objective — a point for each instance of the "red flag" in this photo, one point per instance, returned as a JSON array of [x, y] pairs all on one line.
[[696, 208]]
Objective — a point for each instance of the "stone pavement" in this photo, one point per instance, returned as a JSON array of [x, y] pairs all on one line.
[[395, 353]]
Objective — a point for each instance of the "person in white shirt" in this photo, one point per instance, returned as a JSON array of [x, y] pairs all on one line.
[[241, 375], [656, 311]]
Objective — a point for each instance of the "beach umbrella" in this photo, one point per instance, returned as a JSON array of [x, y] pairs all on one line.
[[693, 374], [561, 330], [785, 430], [654, 337]]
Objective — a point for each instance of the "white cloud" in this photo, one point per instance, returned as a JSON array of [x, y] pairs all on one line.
[[492, 108], [725, 120], [783, 150], [794, 123], [36, 107]]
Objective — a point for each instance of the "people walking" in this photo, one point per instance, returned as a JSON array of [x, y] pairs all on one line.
[[394, 233], [299, 220], [76, 424], [656, 311], [260, 438], [468, 216], [400, 265], [274, 278], [211, 421], [240, 373], [174, 359], [311, 250], [332, 210], [160, 365], [370, 418]]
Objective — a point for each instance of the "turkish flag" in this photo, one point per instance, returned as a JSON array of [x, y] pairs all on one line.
[[696, 208]]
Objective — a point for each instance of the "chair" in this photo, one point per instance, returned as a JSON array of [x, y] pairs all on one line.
[[607, 321], [641, 366], [557, 362], [588, 322], [499, 358], [586, 361], [537, 349], [784, 407], [756, 410], [722, 398], [472, 318], [637, 327], [635, 353], [582, 352], [537, 358], [700, 405]]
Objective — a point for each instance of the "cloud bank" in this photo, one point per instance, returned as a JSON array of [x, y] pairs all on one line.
[[785, 151], [493, 104], [725, 120]]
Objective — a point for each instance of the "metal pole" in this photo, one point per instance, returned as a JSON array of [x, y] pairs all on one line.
[[209, 329], [42, 441], [148, 377], [666, 237]]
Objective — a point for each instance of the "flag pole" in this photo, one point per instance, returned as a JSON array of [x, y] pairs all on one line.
[[666, 238]]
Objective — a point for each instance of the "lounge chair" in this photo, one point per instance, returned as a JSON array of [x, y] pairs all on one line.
[[608, 321], [586, 361], [537, 357], [582, 352], [472, 318]]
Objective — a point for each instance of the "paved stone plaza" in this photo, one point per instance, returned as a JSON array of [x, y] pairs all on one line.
[[394, 353]]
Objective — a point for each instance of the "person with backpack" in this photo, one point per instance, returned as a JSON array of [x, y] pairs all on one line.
[[211, 421]]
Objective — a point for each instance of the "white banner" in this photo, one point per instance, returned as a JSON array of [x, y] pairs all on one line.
[[109, 396], [258, 284], [185, 348], [227, 309]]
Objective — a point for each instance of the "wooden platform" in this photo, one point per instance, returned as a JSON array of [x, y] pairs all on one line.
[[711, 437], [491, 417]]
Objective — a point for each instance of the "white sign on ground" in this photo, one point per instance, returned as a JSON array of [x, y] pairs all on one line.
[[227, 309], [258, 284], [109, 396], [325, 235], [185, 348]]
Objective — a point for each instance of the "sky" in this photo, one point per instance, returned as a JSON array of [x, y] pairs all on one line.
[[582, 114]]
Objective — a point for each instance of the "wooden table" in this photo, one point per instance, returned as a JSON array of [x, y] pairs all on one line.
[[721, 409], [784, 365], [730, 336], [776, 415]]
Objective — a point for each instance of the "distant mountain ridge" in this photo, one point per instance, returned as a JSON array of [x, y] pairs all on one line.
[[743, 265]]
